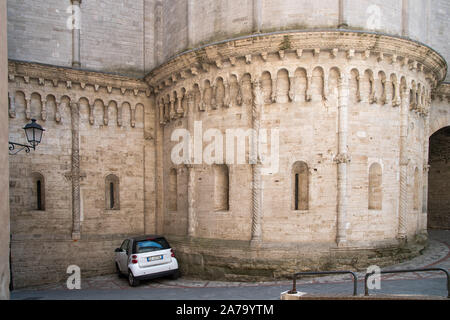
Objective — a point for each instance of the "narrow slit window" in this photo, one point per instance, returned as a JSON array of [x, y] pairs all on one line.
[[112, 195], [39, 195], [38, 192]]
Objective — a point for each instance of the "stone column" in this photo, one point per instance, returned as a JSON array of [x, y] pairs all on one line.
[[159, 172], [405, 18], [308, 87], [58, 112], [189, 24], [133, 115], [191, 220], [342, 23], [12, 105], [44, 109], [159, 33], [426, 168], [396, 93], [75, 173], [76, 16], [403, 201], [150, 111], [342, 159], [256, 236], [257, 16]]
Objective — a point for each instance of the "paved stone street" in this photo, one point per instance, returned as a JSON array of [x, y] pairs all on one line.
[[437, 254]]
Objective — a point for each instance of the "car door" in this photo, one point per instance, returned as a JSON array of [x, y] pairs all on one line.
[[122, 256]]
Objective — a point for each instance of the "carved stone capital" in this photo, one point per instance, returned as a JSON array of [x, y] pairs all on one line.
[[342, 158]]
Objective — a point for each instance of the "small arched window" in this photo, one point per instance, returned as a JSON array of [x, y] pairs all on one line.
[[112, 194], [173, 190], [300, 186], [221, 187], [375, 187], [38, 192]]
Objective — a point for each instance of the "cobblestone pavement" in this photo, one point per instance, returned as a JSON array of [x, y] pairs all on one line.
[[437, 254]]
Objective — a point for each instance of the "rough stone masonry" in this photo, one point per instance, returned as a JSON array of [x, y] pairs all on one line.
[[348, 94]]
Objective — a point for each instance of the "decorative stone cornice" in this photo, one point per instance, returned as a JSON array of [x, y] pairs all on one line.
[[69, 77], [355, 44], [441, 92]]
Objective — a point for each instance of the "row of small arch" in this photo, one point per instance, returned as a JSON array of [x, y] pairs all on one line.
[[20, 99], [318, 85]]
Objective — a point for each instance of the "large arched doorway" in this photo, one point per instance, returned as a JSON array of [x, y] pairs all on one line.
[[439, 180]]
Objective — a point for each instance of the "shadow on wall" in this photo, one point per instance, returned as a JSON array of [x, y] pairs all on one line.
[[439, 180]]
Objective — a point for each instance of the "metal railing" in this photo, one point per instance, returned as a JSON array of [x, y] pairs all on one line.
[[366, 289], [294, 284], [366, 277]]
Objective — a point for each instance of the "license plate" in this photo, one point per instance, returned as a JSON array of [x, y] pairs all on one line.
[[154, 258]]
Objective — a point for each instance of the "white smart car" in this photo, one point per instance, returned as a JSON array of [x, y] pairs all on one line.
[[146, 257]]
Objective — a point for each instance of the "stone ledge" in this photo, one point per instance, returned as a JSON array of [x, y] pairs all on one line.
[[305, 296], [234, 260], [320, 40], [70, 76]]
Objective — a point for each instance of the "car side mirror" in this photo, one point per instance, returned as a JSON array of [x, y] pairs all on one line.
[[118, 250]]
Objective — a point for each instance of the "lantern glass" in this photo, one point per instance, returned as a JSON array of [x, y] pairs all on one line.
[[34, 133]]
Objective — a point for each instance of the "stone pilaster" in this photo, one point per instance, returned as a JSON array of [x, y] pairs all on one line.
[[159, 173], [257, 103], [75, 173], [189, 24], [44, 110], [149, 165], [257, 15], [28, 108], [342, 23], [403, 201], [76, 16], [426, 168], [159, 32], [342, 159], [405, 18], [191, 219]]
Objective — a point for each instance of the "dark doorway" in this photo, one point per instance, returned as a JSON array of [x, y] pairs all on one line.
[[439, 180]]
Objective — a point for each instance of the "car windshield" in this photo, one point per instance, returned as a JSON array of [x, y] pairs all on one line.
[[150, 245]]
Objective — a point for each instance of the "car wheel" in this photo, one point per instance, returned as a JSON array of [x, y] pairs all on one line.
[[175, 275], [119, 273], [133, 282]]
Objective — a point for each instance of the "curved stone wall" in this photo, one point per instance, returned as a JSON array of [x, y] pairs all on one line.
[[133, 37], [339, 103]]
